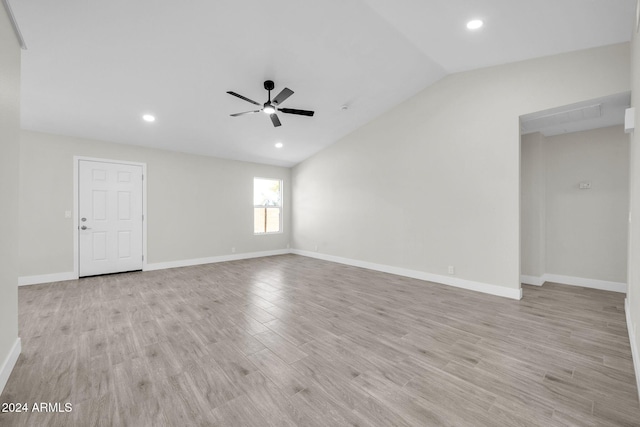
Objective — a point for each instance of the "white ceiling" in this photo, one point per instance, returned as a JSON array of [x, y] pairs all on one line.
[[92, 68]]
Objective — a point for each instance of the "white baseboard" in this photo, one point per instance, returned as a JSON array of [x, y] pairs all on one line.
[[574, 281], [532, 280], [9, 363], [445, 280], [635, 350], [586, 283], [46, 278], [210, 260], [59, 277]]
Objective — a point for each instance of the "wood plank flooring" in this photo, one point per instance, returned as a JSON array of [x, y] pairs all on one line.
[[294, 341]]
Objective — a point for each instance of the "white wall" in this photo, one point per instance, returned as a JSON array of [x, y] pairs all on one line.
[[586, 230], [198, 207], [9, 152], [436, 181], [633, 295], [533, 205]]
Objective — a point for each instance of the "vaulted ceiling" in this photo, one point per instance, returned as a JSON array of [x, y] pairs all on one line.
[[93, 68]]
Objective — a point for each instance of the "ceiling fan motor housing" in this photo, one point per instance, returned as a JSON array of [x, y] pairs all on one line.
[[269, 107]]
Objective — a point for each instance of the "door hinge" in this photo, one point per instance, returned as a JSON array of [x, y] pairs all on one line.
[[143, 217], [143, 257]]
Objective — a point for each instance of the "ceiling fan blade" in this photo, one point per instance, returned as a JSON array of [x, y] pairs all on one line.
[[246, 112], [294, 111], [275, 120], [286, 92], [243, 97]]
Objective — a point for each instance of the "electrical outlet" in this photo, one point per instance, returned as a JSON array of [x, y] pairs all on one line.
[[316, 248], [452, 269], [67, 214], [233, 250], [288, 245]]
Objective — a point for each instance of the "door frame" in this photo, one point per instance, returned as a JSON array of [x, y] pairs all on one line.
[[76, 206]]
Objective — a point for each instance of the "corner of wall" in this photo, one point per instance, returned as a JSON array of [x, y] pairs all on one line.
[[633, 342], [632, 303], [9, 208], [9, 363]]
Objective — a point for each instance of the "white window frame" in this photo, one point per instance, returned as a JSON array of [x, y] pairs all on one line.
[[281, 207]]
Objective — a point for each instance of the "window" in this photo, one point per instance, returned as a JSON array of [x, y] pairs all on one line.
[[267, 205]]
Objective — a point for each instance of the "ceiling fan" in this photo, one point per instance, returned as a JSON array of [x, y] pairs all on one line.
[[271, 107]]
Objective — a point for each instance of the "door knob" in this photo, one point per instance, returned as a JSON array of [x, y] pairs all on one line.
[[84, 227]]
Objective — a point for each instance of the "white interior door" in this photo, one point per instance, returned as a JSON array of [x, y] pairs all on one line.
[[110, 217]]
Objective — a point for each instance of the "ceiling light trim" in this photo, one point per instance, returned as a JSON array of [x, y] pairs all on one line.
[[14, 24]]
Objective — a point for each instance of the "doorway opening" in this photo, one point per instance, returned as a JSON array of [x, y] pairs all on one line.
[[574, 195]]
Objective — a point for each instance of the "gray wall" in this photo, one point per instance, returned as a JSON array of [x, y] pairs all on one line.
[[586, 230], [9, 152], [436, 181], [198, 207], [533, 205]]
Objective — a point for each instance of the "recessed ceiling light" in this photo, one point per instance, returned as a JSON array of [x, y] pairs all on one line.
[[475, 24], [279, 145], [148, 118]]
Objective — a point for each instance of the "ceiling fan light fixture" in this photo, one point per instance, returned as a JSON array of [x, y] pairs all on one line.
[[271, 107]]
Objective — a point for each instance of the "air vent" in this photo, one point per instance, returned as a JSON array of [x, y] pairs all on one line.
[[550, 120]]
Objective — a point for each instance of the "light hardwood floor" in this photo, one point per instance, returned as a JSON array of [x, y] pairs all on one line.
[[293, 341]]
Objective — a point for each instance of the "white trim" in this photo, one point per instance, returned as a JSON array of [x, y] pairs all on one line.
[[14, 24], [145, 220], [635, 351], [532, 280], [46, 278], [486, 288], [76, 204], [210, 260], [9, 363], [281, 207], [60, 277], [76, 196], [586, 283], [604, 285]]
